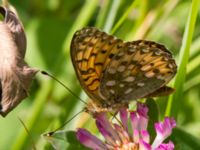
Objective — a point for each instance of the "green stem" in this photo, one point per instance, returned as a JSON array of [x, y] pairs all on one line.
[[137, 24], [102, 14], [82, 20], [111, 15], [175, 99], [124, 16], [35, 112]]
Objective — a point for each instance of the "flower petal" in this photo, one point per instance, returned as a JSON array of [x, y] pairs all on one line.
[[163, 130], [136, 136], [139, 119], [143, 123], [105, 132], [124, 118], [145, 136], [142, 109], [89, 140], [144, 146], [168, 146], [106, 129], [122, 134], [134, 120]]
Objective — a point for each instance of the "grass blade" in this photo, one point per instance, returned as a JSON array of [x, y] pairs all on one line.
[[111, 15], [174, 100], [124, 16]]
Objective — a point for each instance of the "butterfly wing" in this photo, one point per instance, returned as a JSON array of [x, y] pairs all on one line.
[[90, 53], [163, 91], [137, 70], [111, 71]]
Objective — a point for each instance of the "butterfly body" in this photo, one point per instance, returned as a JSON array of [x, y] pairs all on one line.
[[113, 72]]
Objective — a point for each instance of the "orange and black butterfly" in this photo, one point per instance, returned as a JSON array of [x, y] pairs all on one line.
[[113, 72]]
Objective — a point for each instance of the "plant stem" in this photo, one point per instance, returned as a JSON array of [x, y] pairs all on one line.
[[124, 16], [111, 15]]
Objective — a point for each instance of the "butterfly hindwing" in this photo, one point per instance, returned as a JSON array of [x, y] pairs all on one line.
[[163, 91], [138, 69]]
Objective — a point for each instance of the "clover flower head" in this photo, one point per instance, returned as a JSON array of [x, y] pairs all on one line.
[[119, 136]]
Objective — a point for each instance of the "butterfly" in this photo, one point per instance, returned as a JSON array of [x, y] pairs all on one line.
[[113, 72]]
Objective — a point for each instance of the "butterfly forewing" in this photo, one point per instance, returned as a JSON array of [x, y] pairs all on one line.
[[113, 72], [91, 52]]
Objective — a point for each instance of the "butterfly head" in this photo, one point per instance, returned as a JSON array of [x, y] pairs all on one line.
[[94, 108]]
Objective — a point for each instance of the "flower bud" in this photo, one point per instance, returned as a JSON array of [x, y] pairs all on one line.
[[15, 74]]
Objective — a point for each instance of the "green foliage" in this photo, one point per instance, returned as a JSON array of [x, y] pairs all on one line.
[[1, 17], [184, 140], [173, 105], [153, 116], [64, 139], [49, 26]]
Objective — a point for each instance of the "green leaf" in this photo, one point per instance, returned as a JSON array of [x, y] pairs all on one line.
[[184, 140], [64, 140], [153, 116]]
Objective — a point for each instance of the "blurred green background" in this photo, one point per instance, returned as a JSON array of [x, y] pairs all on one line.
[[49, 26]]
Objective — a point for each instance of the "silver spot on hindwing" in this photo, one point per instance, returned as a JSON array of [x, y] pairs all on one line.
[[140, 84], [128, 90], [129, 79], [111, 83], [121, 68]]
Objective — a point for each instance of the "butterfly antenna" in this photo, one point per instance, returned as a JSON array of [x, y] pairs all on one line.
[[27, 131], [68, 89], [114, 116], [52, 132]]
